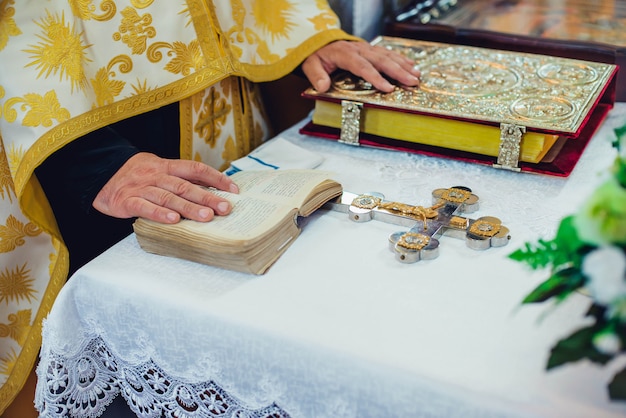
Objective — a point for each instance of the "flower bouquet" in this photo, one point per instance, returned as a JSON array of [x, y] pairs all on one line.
[[588, 254]]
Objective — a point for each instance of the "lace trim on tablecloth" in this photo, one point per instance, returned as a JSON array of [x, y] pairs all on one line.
[[85, 384]]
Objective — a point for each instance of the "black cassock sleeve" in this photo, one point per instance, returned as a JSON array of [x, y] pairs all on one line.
[[73, 176], [80, 169]]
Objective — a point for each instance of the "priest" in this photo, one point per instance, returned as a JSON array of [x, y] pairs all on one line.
[[114, 109]]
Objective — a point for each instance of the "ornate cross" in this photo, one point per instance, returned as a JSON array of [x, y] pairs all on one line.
[[426, 225]]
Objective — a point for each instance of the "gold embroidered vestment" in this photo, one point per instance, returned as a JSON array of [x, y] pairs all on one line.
[[68, 67]]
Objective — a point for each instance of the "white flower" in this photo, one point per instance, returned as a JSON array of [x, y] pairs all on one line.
[[606, 270], [607, 343], [601, 220]]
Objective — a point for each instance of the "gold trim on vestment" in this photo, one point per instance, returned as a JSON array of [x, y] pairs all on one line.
[[219, 63]]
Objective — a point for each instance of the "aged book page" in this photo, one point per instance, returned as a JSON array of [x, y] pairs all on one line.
[[265, 199], [260, 227]]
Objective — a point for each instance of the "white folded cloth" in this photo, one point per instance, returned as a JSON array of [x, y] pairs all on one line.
[[275, 154]]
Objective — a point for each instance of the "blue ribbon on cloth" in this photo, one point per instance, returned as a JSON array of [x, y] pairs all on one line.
[[276, 154]]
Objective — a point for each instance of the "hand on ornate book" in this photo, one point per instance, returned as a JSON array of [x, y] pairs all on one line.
[[513, 110], [368, 61]]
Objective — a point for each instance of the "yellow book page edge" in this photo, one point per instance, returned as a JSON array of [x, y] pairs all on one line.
[[435, 131]]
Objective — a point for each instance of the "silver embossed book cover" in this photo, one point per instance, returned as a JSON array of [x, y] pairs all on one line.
[[517, 111]]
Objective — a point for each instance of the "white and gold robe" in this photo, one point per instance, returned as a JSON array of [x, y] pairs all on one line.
[[68, 67]]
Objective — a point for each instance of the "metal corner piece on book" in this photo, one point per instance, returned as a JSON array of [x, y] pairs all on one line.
[[510, 140], [350, 122]]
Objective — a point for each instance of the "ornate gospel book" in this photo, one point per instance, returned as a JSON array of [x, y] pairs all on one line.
[[581, 29], [260, 228], [515, 111]]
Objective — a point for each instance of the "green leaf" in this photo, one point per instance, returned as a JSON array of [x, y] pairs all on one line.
[[577, 347], [617, 386], [559, 285], [565, 249], [536, 256], [567, 239], [566, 233], [620, 133]]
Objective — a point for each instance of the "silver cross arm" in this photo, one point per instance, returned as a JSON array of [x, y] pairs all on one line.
[[426, 225]]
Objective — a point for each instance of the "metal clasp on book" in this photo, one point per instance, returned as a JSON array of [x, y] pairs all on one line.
[[510, 143], [350, 122]]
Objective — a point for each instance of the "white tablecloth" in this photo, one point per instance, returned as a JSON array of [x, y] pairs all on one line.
[[338, 327]]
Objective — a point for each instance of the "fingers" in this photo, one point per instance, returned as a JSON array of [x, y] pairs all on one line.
[[362, 59], [143, 208], [164, 190], [373, 61], [164, 206], [393, 64], [314, 70], [199, 173]]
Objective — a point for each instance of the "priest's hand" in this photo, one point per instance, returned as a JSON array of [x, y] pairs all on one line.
[[164, 190], [361, 59]]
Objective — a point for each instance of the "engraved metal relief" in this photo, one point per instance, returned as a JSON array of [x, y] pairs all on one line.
[[350, 122], [351, 84], [510, 139], [414, 52], [567, 74], [468, 78], [540, 92], [546, 109]]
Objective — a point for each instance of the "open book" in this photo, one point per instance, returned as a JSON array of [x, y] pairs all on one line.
[[261, 226]]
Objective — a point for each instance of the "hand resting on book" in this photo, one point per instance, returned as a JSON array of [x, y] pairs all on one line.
[[163, 190], [367, 61]]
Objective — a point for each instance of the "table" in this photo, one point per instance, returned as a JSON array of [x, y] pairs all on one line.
[[338, 327]]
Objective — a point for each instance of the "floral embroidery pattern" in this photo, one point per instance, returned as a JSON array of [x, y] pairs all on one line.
[[42, 109], [86, 382], [186, 57], [135, 30], [14, 232], [324, 20], [60, 50], [212, 117], [8, 27], [16, 284], [280, 22], [17, 328], [104, 86]]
